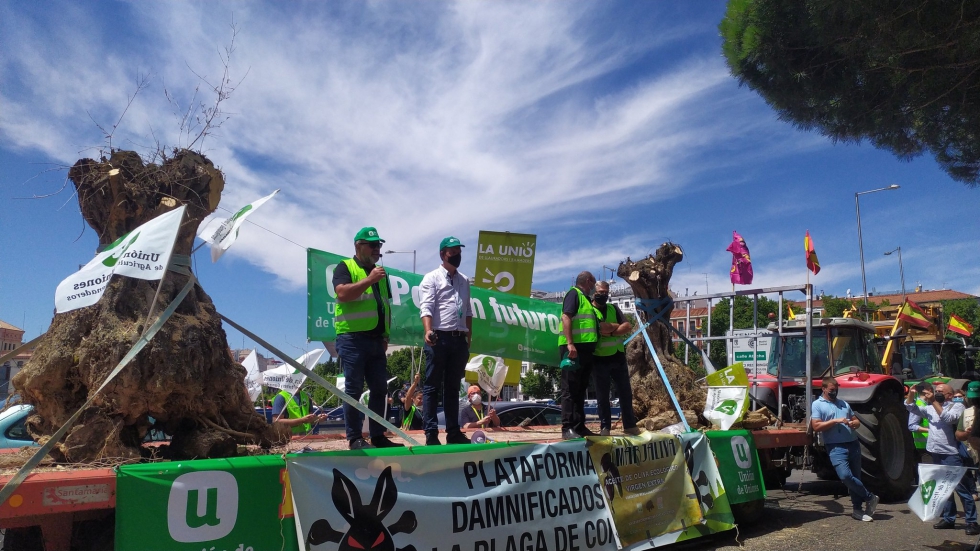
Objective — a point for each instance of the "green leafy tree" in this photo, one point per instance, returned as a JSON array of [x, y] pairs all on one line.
[[541, 382], [834, 307], [329, 370], [904, 75]]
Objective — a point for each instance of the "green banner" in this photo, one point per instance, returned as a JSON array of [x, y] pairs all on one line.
[[504, 325], [738, 464], [505, 263], [237, 504]]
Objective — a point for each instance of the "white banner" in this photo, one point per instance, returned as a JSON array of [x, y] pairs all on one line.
[[936, 485], [725, 405], [253, 377], [289, 379], [488, 498], [222, 234], [491, 371], [143, 253]]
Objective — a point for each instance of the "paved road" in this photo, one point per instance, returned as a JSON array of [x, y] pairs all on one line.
[[814, 518]]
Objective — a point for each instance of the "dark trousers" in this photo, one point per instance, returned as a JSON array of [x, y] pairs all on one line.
[[573, 386], [962, 490], [363, 358], [445, 365], [613, 369]]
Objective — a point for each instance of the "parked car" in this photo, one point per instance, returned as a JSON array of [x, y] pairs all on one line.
[[515, 414], [13, 432]]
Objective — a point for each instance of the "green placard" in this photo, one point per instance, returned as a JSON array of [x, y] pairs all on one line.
[[504, 325], [747, 356], [738, 464], [505, 263], [232, 504]]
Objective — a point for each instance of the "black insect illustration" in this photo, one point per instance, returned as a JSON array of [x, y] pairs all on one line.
[[702, 489], [367, 531]]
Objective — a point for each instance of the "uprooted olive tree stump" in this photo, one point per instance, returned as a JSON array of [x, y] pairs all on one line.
[[650, 279], [185, 379]]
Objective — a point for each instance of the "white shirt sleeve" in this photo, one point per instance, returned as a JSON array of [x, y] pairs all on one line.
[[427, 297]]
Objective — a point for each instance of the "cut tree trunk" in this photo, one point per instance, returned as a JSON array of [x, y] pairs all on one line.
[[185, 379], [650, 279]]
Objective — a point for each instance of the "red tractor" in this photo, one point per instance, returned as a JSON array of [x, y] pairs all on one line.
[[844, 348]]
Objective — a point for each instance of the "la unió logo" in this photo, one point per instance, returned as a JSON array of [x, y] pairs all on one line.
[[111, 260]]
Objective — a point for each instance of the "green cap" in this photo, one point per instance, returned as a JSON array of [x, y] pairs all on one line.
[[368, 234], [450, 242], [973, 390], [570, 364]]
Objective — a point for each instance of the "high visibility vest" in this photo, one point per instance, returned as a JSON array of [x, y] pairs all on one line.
[[609, 345], [584, 324], [361, 314], [298, 410], [919, 437]]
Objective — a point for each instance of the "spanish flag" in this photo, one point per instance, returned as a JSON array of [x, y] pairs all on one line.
[[959, 325], [913, 314], [811, 256]]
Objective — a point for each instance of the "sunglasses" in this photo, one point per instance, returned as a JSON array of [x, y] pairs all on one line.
[[373, 245]]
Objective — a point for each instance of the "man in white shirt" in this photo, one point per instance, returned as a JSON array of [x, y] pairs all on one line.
[[447, 321]]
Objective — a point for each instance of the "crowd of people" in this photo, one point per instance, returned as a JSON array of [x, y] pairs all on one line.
[[936, 412], [591, 345]]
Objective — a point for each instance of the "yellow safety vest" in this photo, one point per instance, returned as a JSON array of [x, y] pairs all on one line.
[[609, 345], [584, 323], [361, 314], [298, 410]]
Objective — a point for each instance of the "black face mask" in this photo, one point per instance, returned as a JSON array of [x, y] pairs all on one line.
[[939, 397], [454, 260], [832, 394], [600, 298]]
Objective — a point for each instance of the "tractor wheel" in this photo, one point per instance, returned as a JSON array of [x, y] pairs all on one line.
[[887, 452]]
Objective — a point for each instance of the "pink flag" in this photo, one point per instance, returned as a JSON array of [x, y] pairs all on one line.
[[741, 263]]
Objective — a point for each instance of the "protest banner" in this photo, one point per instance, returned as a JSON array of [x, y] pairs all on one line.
[[738, 463], [646, 483], [288, 378], [491, 497], [504, 325], [235, 504]]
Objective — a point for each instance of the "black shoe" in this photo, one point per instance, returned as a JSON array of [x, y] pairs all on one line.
[[569, 434], [585, 431], [383, 442], [432, 439], [973, 529], [457, 438], [944, 525], [360, 444]]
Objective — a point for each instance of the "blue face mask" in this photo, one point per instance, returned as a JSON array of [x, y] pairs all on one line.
[[958, 400]]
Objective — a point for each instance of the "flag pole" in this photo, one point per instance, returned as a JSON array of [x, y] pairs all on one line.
[[156, 295]]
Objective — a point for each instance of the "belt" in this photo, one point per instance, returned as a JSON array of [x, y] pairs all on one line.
[[452, 333]]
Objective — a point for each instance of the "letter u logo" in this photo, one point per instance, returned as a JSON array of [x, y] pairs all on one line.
[[203, 506]]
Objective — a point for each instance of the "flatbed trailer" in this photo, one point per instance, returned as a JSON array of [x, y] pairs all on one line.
[[54, 506]]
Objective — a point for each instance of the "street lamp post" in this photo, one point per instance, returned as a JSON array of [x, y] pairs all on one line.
[[857, 208], [901, 269], [405, 252]]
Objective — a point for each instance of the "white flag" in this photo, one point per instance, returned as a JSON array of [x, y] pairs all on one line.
[[491, 371], [936, 485], [222, 234], [289, 379], [143, 253], [724, 405], [253, 377]]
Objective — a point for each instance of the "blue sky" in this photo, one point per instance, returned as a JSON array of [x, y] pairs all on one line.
[[605, 128]]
